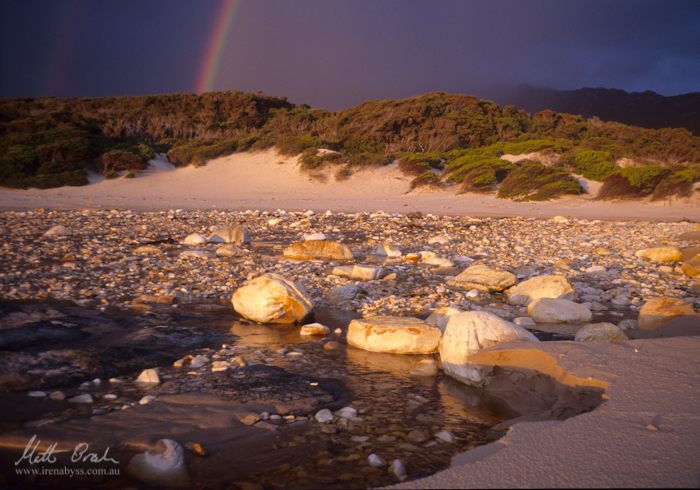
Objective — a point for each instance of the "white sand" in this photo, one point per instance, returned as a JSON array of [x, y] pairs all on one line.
[[265, 180]]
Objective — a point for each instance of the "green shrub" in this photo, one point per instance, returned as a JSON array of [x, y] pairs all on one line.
[[425, 179], [593, 165], [293, 145], [312, 158], [343, 173], [533, 145], [632, 182], [533, 181], [677, 184]]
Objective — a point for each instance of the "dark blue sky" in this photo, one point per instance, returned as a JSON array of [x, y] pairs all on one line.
[[337, 53]]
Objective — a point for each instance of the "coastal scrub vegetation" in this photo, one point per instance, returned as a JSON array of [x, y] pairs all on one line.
[[458, 139]]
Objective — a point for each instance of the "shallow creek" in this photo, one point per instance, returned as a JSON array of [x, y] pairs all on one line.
[[285, 375]]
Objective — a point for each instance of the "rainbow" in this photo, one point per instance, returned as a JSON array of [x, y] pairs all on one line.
[[216, 45]]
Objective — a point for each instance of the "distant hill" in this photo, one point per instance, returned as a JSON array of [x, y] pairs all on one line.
[[645, 109]]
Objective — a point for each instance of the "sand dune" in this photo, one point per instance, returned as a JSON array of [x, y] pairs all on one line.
[[266, 180]]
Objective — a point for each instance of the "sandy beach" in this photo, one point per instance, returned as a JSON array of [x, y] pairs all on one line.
[[267, 181]]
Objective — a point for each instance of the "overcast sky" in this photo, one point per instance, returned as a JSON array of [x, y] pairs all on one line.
[[337, 53]]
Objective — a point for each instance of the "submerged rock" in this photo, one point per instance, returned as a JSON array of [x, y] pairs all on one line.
[[606, 332], [397, 335], [318, 249], [547, 286], [554, 310], [272, 298], [483, 278], [164, 465], [314, 329], [469, 332]]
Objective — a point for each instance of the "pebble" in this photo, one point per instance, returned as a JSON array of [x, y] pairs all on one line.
[[146, 399], [376, 461], [398, 468], [323, 416], [84, 398]]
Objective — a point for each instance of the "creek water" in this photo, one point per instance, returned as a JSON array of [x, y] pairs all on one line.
[[398, 415]]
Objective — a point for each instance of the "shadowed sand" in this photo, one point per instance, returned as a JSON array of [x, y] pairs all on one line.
[[647, 433], [266, 181]]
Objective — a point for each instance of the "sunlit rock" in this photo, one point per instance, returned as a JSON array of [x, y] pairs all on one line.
[[272, 298], [468, 333], [397, 335]]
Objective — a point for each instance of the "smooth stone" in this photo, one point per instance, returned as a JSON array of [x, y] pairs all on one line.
[[347, 413], [324, 416], [164, 465], [198, 361], [84, 398], [658, 312], [425, 367], [315, 236], [318, 249], [236, 234], [470, 332], [605, 332], [58, 230], [660, 254], [431, 258], [147, 250], [376, 461], [272, 298], [314, 329], [445, 436], [440, 316], [388, 249], [554, 310], [524, 321], [547, 286], [398, 469], [228, 250], [146, 399], [397, 335], [483, 278], [148, 377], [194, 239]]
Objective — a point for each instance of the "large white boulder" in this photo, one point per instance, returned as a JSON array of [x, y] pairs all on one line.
[[163, 466], [483, 278], [556, 310], [396, 335], [548, 286], [441, 315], [272, 298], [236, 234], [469, 332]]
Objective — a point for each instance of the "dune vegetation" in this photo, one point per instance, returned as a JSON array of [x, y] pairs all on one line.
[[439, 139]]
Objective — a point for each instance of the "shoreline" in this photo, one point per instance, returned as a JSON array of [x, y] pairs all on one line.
[[267, 181]]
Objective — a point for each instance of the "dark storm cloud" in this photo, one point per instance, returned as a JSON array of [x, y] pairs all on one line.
[[337, 53]]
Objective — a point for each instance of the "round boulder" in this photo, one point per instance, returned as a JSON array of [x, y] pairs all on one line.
[[163, 466], [395, 335], [271, 298], [469, 332], [548, 286], [553, 310]]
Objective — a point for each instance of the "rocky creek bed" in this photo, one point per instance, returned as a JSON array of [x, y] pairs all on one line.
[[86, 307]]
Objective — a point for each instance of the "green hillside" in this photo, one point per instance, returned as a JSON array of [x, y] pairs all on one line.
[[441, 139]]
